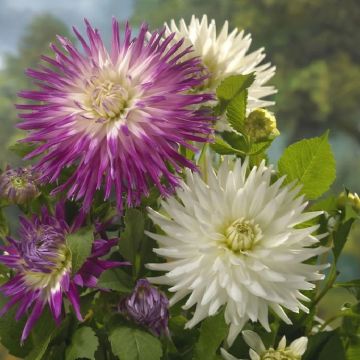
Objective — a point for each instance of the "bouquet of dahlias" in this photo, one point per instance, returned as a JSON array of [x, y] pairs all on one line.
[[152, 225]]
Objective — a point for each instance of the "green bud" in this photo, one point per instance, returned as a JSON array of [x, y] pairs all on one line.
[[349, 198], [260, 125]]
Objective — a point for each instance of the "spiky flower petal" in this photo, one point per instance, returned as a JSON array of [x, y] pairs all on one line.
[[118, 116], [232, 241], [41, 260], [224, 55], [147, 306], [19, 185]]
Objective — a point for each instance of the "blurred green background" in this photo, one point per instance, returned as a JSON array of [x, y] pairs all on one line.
[[313, 43]]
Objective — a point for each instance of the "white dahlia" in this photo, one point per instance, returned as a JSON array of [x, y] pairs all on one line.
[[258, 351], [232, 241], [225, 55]]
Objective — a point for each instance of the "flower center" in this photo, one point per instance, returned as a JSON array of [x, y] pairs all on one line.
[[107, 100], [241, 235], [18, 182], [46, 258], [285, 354]]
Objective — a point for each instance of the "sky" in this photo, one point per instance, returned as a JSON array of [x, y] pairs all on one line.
[[16, 14]]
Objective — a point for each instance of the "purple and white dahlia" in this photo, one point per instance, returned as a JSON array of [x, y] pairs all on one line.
[[42, 263], [147, 306], [118, 116]]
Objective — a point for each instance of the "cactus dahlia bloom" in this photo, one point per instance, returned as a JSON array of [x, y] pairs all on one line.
[[41, 260], [258, 351], [226, 54], [115, 117], [232, 241]]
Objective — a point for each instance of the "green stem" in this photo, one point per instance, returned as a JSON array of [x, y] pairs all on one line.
[[328, 285]]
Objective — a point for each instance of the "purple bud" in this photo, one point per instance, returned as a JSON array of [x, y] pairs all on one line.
[[18, 185], [147, 306]]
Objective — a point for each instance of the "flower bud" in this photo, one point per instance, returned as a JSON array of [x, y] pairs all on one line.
[[147, 306], [19, 185], [348, 198], [260, 125]]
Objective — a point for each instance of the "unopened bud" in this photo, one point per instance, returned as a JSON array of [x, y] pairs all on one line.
[[349, 198], [18, 185], [260, 125]]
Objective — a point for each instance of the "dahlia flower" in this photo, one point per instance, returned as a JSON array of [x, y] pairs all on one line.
[[115, 117], [147, 306], [232, 241], [41, 260], [258, 351], [225, 55], [19, 185]]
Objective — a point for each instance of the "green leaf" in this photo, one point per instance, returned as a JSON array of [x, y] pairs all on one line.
[[234, 85], [80, 244], [340, 238], [311, 163], [236, 111], [41, 336], [223, 148], [134, 344], [353, 352], [333, 349], [213, 331], [115, 279], [237, 141], [83, 345], [133, 235], [11, 330], [325, 346], [22, 149]]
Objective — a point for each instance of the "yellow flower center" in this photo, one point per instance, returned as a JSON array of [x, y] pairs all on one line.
[[108, 100], [285, 354], [18, 182], [49, 281], [241, 235]]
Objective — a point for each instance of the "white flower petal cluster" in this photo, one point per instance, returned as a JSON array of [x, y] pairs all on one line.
[[258, 351], [226, 54], [231, 240]]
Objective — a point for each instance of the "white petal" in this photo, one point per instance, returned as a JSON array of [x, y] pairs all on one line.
[[254, 341], [299, 346]]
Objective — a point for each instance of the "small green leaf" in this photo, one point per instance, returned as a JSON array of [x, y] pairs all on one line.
[[80, 244], [84, 344], [233, 85], [237, 141], [236, 111], [213, 331], [115, 279], [340, 238], [133, 234], [22, 149], [134, 344], [223, 148], [310, 162]]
